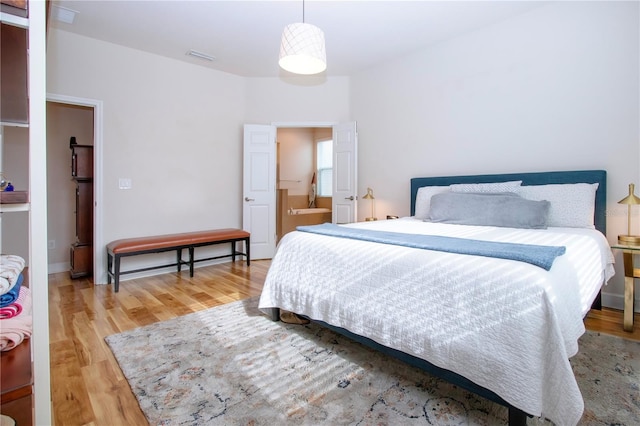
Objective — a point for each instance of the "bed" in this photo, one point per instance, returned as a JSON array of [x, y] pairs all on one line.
[[500, 327]]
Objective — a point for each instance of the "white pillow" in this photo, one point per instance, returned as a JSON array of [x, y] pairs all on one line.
[[423, 200], [572, 204], [511, 186]]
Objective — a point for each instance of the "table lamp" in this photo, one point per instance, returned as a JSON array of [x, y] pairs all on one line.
[[369, 196], [629, 200]]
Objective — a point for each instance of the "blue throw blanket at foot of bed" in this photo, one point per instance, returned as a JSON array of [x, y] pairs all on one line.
[[542, 256]]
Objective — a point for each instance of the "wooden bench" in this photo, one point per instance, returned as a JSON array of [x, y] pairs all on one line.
[[118, 249]]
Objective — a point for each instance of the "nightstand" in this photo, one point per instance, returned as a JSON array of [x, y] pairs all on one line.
[[630, 273]]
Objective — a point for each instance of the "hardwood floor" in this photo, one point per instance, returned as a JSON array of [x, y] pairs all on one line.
[[609, 321], [87, 385]]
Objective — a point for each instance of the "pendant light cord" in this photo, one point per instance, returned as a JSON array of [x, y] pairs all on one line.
[[303, 11]]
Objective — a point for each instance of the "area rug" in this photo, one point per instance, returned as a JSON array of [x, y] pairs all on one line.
[[231, 365]]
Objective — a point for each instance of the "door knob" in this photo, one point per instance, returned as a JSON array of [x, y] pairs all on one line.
[[249, 199], [349, 198]]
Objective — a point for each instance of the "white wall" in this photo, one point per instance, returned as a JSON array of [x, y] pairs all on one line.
[[298, 100], [553, 89], [175, 130]]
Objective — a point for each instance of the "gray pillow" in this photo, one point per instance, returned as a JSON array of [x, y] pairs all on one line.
[[498, 209]]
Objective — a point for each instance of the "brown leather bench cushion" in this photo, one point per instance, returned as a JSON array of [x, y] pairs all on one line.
[[132, 245]]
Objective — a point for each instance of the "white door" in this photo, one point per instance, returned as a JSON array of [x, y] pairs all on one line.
[[259, 189], [345, 173]]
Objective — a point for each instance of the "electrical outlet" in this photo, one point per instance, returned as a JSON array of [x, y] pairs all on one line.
[[51, 245]]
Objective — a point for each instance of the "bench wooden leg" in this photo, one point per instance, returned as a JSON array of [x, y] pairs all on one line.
[[116, 273], [109, 267], [246, 250], [179, 259], [191, 260], [233, 251]]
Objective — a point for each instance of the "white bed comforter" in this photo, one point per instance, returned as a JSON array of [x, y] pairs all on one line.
[[508, 326]]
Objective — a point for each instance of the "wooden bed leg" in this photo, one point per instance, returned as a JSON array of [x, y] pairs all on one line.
[[517, 417], [272, 313]]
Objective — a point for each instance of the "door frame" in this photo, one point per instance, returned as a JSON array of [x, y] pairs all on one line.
[[99, 253], [275, 126]]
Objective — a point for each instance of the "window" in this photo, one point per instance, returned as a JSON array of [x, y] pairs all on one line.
[[325, 168]]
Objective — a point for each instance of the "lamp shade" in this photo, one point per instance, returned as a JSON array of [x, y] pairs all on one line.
[[302, 49], [369, 195], [630, 199]]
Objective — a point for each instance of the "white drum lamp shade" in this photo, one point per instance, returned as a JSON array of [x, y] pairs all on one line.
[[302, 49]]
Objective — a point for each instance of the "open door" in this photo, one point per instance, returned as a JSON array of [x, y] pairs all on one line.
[[259, 189], [345, 173], [259, 183]]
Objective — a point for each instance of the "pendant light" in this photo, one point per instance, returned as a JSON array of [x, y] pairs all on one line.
[[302, 48]]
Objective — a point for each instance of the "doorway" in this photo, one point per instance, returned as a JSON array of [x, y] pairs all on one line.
[[303, 184], [259, 180], [80, 118]]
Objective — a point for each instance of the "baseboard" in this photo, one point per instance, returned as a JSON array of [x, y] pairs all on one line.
[[55, 268], [616, 301]]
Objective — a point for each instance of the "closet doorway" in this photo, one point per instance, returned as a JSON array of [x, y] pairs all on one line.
[[81, 119]]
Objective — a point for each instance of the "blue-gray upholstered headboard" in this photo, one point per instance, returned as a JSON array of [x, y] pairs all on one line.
[[539, 178]]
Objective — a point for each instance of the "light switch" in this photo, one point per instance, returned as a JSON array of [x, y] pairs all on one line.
[[124, 183]]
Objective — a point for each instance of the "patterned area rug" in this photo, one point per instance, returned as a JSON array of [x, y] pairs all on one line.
[[231, 365]]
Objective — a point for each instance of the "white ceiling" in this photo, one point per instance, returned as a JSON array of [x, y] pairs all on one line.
[[244, 36]]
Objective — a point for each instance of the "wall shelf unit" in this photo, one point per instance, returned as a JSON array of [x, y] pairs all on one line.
[[8, 208], [25, 373]]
